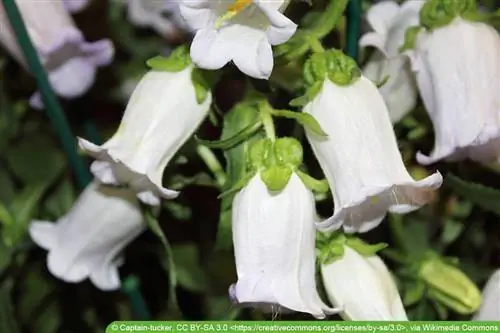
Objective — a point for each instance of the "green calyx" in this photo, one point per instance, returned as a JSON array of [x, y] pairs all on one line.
[[178, 60], [331, 247], [333, 65], [276, 161], [448, 285], [438, 13]]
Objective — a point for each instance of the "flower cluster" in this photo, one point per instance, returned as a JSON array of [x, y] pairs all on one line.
[[278, 237]]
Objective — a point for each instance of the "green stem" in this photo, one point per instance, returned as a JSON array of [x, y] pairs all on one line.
[[213, 164], [353, 28], [267, 120], [52, 105], [139, 307], [397, 232], [316, 45]]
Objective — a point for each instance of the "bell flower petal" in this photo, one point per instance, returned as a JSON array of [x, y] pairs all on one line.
[[458, 75], [71, 61], [161, 115], [274, 248], [360, 158], [241, 31], [75, 6], [87, 241], [363, 287], [389, 21], [490, 305], [163, 16]]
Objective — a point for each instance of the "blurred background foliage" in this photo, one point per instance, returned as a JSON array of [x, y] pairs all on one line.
[[187, 276]]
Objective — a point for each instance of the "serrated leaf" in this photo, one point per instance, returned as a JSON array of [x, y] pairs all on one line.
[[36, 161], [305, 119], [485, 197], [189, 272]]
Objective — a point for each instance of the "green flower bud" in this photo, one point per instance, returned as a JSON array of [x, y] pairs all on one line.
[[449, 286]]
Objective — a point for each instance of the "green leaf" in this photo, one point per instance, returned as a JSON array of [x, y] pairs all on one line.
[[7, 317], [329, 18], [315, 185], [23, 208], [203, 82], [6, 217], [485, 197], [238, 186], [188, 269], [36, 161], [242, 115], [413, 293], [176, 62], [451, 231], [305, 119], [7, 184], [221, 308], [232, 141], [61, 200], [363, 248], [169, 263]]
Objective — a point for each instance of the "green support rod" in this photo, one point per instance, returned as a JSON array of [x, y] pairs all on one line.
[[353, 28], [54, 109]]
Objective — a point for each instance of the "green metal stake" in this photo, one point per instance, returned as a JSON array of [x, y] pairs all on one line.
[[52, 105], [353, 28]]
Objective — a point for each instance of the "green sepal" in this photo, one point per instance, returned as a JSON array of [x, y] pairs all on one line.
[[315, 185], [289, 152], [238, 185], [439, 13], [261, 154], [411, 35], [330, 246], [311, 93], [448, 285], [305, 119], [488, 18], [176, 62], [236, 139], [413, 293], [334, 65], [203, 81], [365, 249], [276, 177]]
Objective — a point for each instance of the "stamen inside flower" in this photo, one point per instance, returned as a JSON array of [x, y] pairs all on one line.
[[235, 8]]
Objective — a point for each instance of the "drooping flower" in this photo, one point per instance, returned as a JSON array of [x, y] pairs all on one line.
[[71, 62], [490, 305], [163, 112], [241, 31], [360, 283], [274, 235], [389, 21], [87, 241], [163, 16], [458, 75], [75, 6], [360, 156]]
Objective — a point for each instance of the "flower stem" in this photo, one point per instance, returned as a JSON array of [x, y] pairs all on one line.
[[267, 120], [316, 45], [213, 164]]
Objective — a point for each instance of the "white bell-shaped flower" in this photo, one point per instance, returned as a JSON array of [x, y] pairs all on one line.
[[389, 20], [363, 287], [161, 15], [490, 304], [87, 241], [457, 68], [162, 114], [241, 31], [360, 157], [70, 61], [75, 6], [274, 248]]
